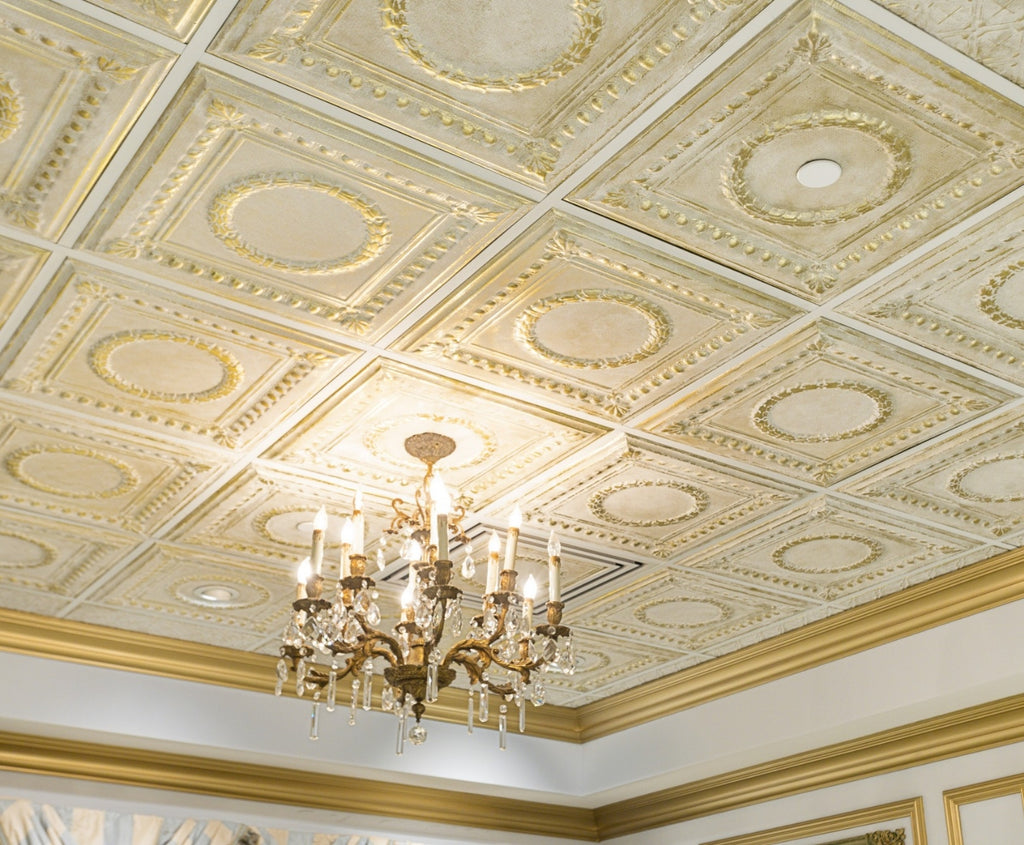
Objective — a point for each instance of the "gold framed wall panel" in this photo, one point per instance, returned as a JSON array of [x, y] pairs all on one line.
[[954, 799], [912, 808]]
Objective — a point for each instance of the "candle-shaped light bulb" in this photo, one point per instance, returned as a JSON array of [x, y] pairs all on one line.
[[515, 520], [302, 574], [347, 534], [554, 568], [442, 507], [359, 524], [317, 552], [529, 595], [493, 553], [407, 600]]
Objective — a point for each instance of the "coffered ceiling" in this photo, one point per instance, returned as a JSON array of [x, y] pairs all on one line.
[[248, 248]]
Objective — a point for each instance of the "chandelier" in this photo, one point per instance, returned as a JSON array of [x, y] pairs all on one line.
[[333, 635]]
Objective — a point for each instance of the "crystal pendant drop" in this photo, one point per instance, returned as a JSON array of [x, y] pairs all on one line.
[[537, 695], [372, 614], [314, 721], [468, 566], [368, 685], [469, 709], [431, 682], [300, 678], [502, 726], [400, 739], [282, 676], [521, 704], [417, 734], [457, 621], [332, 689], [483, 704], [387, 698], [354, 701], [381, 560]]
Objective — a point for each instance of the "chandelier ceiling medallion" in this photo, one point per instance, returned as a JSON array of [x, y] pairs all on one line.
[[333, 634]]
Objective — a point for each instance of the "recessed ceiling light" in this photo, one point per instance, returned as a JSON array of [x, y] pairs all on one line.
[[819, 173], [215, 593]]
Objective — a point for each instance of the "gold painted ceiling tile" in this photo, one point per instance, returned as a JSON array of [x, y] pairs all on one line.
[[19, 265], [70, 89], [685, 611], [27, 600], [989, 31], [56, 468], [163, 624], [361, 432], [824, 403], [58, 559], [575, 313], [652, 502], [919, 147], [965, 300], [827, 549], [202, 587], [971, 481], [526, 87], [270, 205], [143, 356]]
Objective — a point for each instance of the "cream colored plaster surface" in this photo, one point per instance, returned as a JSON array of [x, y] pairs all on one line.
[[247, 249]]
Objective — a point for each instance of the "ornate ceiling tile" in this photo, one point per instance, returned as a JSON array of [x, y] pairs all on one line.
[[274, 206], [526, 87], [203, 588], [70, 89], [58, 469], [685, 611], [824, 403], [652, 502], [361, 432], [574, 312], [918, 147], [828, 549], [134, 353], [56, 559], [176, 18], [605, 665], [971, 481], [965, 300], [19, 265], [266, 514], [989, 31]]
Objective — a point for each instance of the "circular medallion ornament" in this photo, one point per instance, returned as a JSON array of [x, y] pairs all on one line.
[[298, 214], [18, 551], [826, 554], [993, 480], [1002, 298], [437, 435], [873, 163], [683, 613], [593, 329], [460, 42], [648, 504], [10, 109], [127, 359], [823, 412], [71, 471]]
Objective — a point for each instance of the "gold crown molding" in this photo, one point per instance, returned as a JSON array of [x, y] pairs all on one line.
[[973, 589], [966, 731], [132, 651], [912, 808], [954, 798], [247, 781]]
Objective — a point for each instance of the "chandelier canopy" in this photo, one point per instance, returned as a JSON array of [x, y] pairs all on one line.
[[333, 632]]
